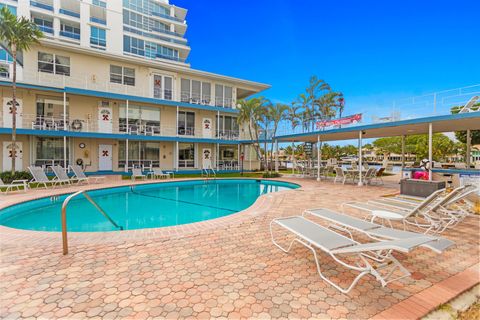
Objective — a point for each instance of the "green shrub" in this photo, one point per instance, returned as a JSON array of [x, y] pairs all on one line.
[[271, 175], [7, 176]]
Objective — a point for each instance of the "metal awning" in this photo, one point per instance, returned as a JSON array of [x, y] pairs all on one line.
[[444, 123]]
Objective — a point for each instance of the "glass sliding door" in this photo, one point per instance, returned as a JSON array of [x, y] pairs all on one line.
[[49, 151], [141, 154], [186, 155], [186, 123]]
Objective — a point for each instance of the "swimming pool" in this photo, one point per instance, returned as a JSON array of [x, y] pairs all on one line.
[[142, 206]]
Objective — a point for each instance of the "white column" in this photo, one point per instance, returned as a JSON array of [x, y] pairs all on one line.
[[238, 156], [126, 115], [469, 147], [126, 155], [176, 156], [403, 152], [65, 128], [319, 157], [217, 154], [293, 157], [176, 124], [430, 142], [360, 160], [276, 155]]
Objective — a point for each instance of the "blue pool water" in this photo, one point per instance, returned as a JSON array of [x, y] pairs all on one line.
[[142, 206]]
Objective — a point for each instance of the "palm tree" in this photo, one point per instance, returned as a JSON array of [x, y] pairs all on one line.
[[315, 88], [277, 113], [18, 35], [251, 112]]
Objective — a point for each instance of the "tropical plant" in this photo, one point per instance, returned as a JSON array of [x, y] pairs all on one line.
[[251, 114], [18, 35], [276, 113]]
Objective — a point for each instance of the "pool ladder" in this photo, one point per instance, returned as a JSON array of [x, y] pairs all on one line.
[[208, 172], [64, 216]]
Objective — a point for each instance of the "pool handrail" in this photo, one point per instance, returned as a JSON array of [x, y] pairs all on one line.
[[64, 216]]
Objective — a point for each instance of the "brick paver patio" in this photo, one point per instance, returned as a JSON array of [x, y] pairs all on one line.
[[223, 268]]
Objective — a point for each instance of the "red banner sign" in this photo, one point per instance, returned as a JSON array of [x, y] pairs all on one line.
[[336, 122]]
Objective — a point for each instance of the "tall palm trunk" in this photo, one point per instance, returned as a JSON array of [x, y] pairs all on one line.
[[14, 108]]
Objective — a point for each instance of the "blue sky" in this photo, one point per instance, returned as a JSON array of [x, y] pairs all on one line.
[[372, 51]]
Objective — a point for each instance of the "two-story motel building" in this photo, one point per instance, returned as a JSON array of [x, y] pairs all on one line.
[[109, 88]]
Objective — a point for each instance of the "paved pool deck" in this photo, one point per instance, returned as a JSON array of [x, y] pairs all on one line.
[[222, 268]]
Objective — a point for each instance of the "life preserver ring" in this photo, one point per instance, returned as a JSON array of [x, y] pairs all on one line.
[[77, 125], [79, 162]]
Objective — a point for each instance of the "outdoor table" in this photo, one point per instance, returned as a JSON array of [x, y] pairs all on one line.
[[151, 175], [171, 172], [386, 215], [24, 182]]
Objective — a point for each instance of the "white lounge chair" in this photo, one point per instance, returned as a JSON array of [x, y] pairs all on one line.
[[137, 173], [375, 231], [16, 185], [82, 177], [61, 176], [374, 258], [39, 177], [158, 173], [426, 215]]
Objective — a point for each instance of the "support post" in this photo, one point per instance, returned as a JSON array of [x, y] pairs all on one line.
[[65, 128], [276, 156], [403, 152], [126, 117], [319, 157], [469, 151], [175, 162], [293, 157], [217, 154], [430, 143], [176, 124], [126, 155], [360, 160]]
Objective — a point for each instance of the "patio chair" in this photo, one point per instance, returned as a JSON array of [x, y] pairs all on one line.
[[375, 231], [373, 258], [137, 173], [82, 177], [378, 175], [16, 185], [158, 173], [61, 176], [341, 175], [39, 177], [369, 175]]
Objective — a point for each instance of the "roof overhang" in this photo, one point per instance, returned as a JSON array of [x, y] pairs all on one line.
[[444, 123]]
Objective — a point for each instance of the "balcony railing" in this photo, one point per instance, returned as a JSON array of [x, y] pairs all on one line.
[[165, 16], [41, 5], [95, 83], [45, 29], [140, 128], [70, 13], [98, 20], [69, 34]]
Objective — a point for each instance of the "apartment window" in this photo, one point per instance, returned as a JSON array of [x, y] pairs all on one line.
[[223, 96], [141, 120], [4, 70], [70, 31], [186, 155], [194, 91], [49, 149], [12, 9], [186, 123], [162, 87], [44, 25], [50, 107], [98, 37], [99, 3], [52, 63], [122, 75], [134, 45], [140, 154]]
